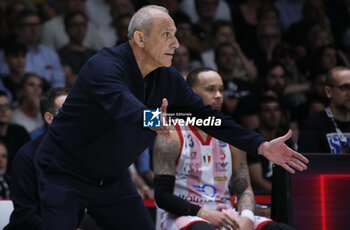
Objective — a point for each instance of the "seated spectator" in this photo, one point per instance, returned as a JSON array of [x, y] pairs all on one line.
[[313, 14], [108, 31], [191, 188], [74, 54], [27, 114], [260, 169], [4, 180], [319, 36], [55, 35], [15, 57], [235, 88], [14, 136], [41, 60], [328, 131], [273, 83], [222, 32], [185, 35], [24, 185], [182, 62], [326, 58], [206, 10], [297, 84], [245, 21], [268, 36], [222, 10], [8, 21], [121, 23]]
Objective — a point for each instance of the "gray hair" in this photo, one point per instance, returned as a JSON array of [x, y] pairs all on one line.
[[142, 20]]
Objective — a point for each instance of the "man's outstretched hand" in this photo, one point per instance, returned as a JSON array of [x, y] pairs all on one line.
[[279, 153], [163, 130]]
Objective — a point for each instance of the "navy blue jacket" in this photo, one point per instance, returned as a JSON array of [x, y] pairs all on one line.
[[98, 131], [24, 190]]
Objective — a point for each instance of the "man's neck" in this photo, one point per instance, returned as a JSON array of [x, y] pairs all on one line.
[[3, 129], [202, 134], [15, 77], [340, 114], [227, 75], [76, 46], [31, 109], [141, 59], [269, 134]]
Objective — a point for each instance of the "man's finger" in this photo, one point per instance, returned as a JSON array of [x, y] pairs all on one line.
[[299, 163], [289, 169], [232, 222], [295, 165], [300, 157], [164, 105], [287, 135]]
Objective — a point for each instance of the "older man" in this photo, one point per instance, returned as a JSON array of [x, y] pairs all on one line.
[[84, 156]]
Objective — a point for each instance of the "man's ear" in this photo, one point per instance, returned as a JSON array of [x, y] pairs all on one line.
[[328, 91], [48, 117], [139, 38]]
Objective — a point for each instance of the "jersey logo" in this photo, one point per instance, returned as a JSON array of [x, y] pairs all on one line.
[[206, 157], [151, 118], [221, 166], [335, 143], [206, 189]]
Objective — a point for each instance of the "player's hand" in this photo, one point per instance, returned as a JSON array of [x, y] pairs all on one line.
[[163, 130], [218, 219], [245, 224], [279, 153]]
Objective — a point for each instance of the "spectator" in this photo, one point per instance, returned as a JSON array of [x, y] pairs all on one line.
[[236, 89], [15, 57], [182, 62], [14, 136], [296, 83], [41, 60], [206, 10], [319, 36], [27, 114], [222, 10], [55, 35], [144, 166], [222, 32], [75, 53], [268, 35], [4, 180], [273, 83], [328, 130], [98, 12], [118, 8], [186, 36], [260, 169], [313, 13], [8, 21], [121, 23], [244, 18], [24, 184]]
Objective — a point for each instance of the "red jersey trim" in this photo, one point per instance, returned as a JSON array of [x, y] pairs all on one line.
[[206, 142]]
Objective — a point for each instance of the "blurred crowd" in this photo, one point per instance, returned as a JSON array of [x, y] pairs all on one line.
[[273, 56]]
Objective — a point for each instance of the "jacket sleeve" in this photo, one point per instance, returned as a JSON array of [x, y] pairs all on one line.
[[108, 86], [24, 194]]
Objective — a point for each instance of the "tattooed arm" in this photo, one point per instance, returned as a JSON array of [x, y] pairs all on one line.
[[241, 185], [165, 154]]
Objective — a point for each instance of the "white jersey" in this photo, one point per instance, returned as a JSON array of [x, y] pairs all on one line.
[[203, 174]]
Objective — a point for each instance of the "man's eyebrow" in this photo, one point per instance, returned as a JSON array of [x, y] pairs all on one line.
[[170, 29]]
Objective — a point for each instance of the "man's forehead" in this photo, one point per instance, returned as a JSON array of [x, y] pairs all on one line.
[[209, 78], [164, 21]]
